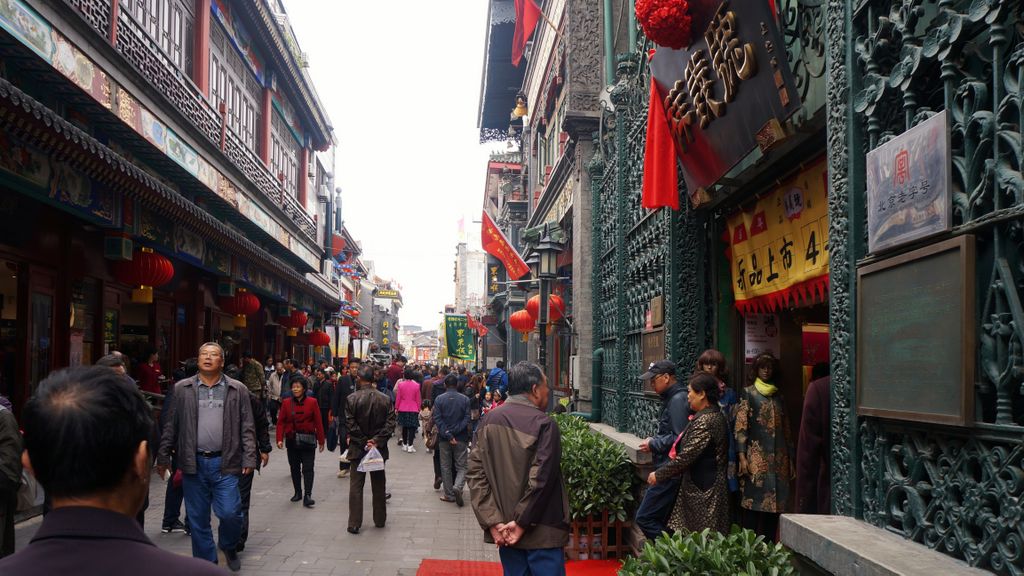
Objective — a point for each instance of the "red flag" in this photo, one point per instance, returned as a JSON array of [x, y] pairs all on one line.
[[661, 181], [495, 244], [474, 325], [527, 14]]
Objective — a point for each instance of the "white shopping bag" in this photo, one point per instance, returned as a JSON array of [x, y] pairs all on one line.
[[371, 462]]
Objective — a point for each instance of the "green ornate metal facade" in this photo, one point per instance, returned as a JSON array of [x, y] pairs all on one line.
[[882, 66], [892, 64]]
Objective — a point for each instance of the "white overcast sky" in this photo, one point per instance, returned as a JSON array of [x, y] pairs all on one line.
[[401, 83]]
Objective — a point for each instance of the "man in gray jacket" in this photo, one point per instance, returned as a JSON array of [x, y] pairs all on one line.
[[210, 426]]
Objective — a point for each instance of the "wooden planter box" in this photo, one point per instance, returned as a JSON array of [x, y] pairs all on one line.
[[597, 538]]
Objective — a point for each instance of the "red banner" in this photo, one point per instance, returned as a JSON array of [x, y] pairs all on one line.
[[495, 243]]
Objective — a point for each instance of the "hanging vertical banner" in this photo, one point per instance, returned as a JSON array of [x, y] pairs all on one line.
[[496, 244], [780, 247], [458, 337]]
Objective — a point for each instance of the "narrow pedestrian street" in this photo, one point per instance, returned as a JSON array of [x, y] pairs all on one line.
[[285, 538]]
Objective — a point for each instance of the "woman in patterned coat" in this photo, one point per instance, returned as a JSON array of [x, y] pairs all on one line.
[[701, 456], [766, 451]]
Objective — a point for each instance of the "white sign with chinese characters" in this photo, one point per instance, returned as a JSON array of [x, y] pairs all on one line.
[[908, 186], [761, 335]]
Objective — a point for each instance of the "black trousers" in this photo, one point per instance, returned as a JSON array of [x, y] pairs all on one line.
[[245, 493], [8, 506], [378, 483], [762, 523], [300, 459], [409, 436]]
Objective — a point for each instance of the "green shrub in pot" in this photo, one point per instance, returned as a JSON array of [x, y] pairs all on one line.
[[598, 473], [739, 553]]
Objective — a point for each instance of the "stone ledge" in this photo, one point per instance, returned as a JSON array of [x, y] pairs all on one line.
[[843, 545], [627, 440]]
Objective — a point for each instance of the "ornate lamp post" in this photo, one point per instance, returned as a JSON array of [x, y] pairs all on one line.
[[547, 251]]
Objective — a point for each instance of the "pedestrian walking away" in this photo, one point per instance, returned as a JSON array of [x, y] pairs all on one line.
[[407, 404], [274, 391], [211, 427], [300, 428], [370, 418], [515, 479], [345, 387], [87, 442], [451, 416]]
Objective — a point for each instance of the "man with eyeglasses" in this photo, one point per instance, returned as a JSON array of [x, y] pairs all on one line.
[[211, 428], [652, 515]]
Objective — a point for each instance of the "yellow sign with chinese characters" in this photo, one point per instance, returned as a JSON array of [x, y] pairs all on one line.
[[779, 248]]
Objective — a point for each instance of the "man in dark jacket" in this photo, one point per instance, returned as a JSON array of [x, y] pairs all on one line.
[[813, 476], [344, 389], [658, 500], [210, 425], [515, 478], [371, 421], [259, 415], [451, 416], [10, 475], [93, 458]]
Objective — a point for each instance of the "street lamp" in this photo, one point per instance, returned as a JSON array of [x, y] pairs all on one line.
[[546, 269]]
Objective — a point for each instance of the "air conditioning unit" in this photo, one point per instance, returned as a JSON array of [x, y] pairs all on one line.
[[323, 194]]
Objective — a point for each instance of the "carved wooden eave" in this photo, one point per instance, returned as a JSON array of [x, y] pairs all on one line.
[[29, 120], [298, 84]]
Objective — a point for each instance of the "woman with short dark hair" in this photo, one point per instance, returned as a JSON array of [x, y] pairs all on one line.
[[700, 456], [300, 428]]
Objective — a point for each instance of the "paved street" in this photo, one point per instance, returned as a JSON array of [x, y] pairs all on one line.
[[286, 538]]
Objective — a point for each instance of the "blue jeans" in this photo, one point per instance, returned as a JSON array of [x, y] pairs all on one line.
[[209, 486], [535, 562], [656, 506]]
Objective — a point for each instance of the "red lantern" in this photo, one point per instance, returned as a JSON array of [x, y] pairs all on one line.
[[241, 305], [556, 307], [319, 338], [293, 322], [144, 271], [521, 321]]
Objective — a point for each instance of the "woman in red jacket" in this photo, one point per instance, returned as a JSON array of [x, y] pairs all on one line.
[[300, 427]]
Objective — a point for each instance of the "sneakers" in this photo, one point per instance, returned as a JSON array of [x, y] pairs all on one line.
[[176, 527], [458, 499], [234, 564], [411, 449]]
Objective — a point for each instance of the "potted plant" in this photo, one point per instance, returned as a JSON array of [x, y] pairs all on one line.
[[741, 552], [599, 479]]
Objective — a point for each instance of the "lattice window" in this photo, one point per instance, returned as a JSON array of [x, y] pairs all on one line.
[[171, 23], [284, 158], [233, 83]]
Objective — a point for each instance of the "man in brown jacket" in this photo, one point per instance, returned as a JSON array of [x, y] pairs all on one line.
[[515, 478], [370, 418]]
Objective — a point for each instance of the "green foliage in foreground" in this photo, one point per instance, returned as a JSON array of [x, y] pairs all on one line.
[[709, 553], [598, 473]]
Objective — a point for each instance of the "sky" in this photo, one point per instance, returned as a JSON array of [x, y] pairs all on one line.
[[400, 82]]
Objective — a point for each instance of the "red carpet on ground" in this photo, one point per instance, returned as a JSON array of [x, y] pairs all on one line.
[[431, 567]]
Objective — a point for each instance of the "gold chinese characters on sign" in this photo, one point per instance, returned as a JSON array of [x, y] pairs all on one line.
[[693, 99]]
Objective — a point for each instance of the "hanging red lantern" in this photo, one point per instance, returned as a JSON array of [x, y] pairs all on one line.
[[556, 307], [241, 305], [522, 321], [297, 322], [144, 271], [319, 338]]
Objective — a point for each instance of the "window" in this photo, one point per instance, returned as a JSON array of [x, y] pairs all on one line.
[[233, 83], [284, 157], [171, 24]]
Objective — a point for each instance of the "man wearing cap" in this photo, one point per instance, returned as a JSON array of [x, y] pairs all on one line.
[[659, 499]]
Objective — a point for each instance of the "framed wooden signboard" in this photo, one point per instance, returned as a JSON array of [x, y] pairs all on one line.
[[652, 349], [916, 335]]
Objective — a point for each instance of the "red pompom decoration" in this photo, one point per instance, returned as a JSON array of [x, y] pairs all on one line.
[[665, 22]]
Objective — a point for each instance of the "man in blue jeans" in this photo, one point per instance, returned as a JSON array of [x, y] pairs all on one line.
[[657, 504], [210, 426]]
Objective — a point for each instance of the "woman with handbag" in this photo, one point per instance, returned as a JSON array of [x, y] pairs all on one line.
[[300, 428]]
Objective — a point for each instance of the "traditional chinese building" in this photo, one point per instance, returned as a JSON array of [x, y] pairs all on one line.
[[163, 184]]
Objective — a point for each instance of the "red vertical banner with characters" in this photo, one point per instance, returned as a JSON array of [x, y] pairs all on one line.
[[779, 246]]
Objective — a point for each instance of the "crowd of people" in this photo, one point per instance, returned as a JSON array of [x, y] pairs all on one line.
[[724, 458], [89, 439]]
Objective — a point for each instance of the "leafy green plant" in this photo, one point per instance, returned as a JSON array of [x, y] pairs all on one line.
[[598, 473], [740, 553]]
